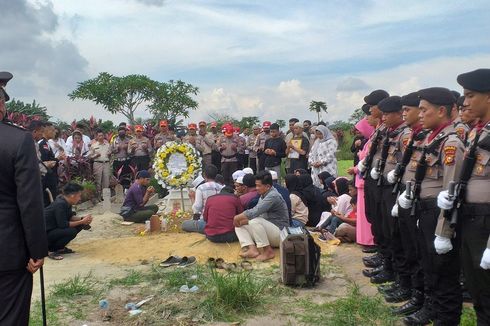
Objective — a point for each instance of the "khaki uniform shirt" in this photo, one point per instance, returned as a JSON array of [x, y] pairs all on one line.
[[160, 139], [411, 167], [229, 148], [120, 148], [140, 146], [250, 145], [461, 128], [260, 141], [103, 149], [397, 141], [205, 143], [377, 155]]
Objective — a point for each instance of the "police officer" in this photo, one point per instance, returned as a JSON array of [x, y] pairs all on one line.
[[372, 196], [439, 163], [391, 154], [260, 144], [460, 127], [120, 150], [474, 213], [409, 268], [23, 243], [140, 148], [205, 144]]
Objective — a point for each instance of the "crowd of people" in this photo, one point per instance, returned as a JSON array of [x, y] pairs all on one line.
[[417, 196]]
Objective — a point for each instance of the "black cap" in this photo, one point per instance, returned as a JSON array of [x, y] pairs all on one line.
[[456, 94], [376, 96], [391, 104], [437, 96], [366, 108], [477, 80], [5, 76], [411, 99], [460, 101]]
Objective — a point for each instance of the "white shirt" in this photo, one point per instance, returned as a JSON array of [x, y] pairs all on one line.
[[203, 192], [57, 146]]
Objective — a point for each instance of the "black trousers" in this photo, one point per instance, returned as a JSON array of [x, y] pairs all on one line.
[[50, 181], [15, 298], [441, 272], [223, 238], [372, 201], [390, 249], [59, 238], [216, 160], [141, 162], [408, 265], [227, 169], [252, 163], [475, 220]]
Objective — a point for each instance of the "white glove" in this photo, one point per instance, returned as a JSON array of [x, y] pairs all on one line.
[[403, 201], [374, 174], [361, 166], [394, 210], [443, 200], [485, 260], [390, 177], [443, 245]]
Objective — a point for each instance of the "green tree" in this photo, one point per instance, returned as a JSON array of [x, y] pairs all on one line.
[[340, 125], [248, 122], [281, 123], [31, 110], [173, 100], [117, 94], [356, 116], [318, 107]]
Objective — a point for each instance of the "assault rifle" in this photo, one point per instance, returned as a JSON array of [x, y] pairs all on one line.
[[369, 159]]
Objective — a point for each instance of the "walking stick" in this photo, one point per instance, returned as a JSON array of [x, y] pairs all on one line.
[[43, 297]]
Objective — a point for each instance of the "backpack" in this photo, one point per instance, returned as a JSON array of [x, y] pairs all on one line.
[[300, 258]]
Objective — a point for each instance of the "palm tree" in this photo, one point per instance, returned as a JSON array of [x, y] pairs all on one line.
[[318, 107]]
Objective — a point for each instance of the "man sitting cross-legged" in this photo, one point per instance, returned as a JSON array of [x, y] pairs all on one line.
[[259, 227], [133, 208], [62, 225]]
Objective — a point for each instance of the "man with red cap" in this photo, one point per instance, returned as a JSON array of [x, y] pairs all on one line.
[[163, 136], [229, 146], [215, 154], [191, 137], [140, 149], [260, 145]]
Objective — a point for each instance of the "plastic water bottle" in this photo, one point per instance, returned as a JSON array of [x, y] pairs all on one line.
[[164, 225], [147, 225]]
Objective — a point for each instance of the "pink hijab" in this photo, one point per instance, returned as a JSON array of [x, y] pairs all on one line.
[[364, 128]]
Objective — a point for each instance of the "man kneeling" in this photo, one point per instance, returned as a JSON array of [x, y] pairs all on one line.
[[259, 227], [62, 225]]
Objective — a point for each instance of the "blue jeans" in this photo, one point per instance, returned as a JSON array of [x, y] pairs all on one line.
[[194, 226], [297, 224]]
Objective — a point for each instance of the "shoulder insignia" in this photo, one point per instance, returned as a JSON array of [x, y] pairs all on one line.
[[461, 132], [405, 142], [449, 155]]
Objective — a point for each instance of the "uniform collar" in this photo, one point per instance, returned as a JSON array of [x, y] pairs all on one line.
[[436, 131]]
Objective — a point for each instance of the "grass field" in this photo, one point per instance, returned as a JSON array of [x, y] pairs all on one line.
[[343, 165]]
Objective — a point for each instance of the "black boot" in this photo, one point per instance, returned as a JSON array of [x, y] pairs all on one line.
[[370, 249], [375, 256], [413, 305], [400, 295], [373, 262], [373, 271], [422, 317], [388, 288], [383, 277]]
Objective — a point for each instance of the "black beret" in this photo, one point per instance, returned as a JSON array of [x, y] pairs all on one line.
[[477, 80], [460, 101], [391, 104], [456, 94], [437, 96], [5, 76], [366, 108], [411, 99], [376, 96], [4, 94]]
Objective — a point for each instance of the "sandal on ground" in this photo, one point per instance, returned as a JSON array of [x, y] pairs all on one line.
[[55, 256], [187, 261], [171, 261], [220, 262], [211, 262], [246, 265], [66, 251], [230, 267]]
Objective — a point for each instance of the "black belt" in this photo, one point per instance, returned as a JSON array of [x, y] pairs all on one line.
[[427, 204], [102, 161], [228, 157], [121, 159], [475, 209]]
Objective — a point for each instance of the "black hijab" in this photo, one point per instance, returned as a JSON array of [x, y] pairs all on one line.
[[323, 176], [292, 183], [342, 186]]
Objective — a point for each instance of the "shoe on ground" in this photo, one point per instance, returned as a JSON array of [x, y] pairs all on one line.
[[373, 271], [388, 287], [375, 256], [411, 306], [383, 277], [400, 295], [421, 317]]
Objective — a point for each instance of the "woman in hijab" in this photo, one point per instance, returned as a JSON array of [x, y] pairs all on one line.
[[322, 154], [299, 211], [312, 197], [340, 205], [324, 178]]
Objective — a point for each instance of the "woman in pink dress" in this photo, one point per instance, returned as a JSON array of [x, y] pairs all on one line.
[[364, 235]]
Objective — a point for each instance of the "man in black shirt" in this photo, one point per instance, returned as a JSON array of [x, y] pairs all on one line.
[[50, 180], [275, 150], [61, 224]]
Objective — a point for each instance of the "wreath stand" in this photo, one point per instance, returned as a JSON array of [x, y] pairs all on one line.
[[177, 199]]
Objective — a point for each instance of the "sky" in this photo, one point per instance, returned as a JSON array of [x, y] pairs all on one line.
[[248, 58]]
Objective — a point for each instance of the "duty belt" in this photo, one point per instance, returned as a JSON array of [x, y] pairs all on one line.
[[122, 159], [101, 161], [228, 156]]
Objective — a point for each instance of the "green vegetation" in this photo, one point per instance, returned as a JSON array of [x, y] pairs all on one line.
[[76, 286], [342, 167]]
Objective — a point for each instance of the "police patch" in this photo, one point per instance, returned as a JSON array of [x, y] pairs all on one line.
[[449, 155], [461, 132]]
